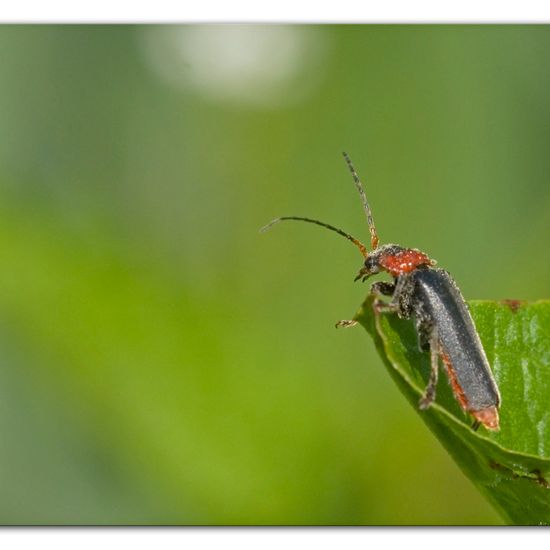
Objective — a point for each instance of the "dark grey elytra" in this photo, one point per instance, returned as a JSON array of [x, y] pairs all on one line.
[[437, 297], [444, 325]]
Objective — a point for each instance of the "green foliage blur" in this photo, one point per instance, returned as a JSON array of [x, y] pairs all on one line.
[[162, 361]]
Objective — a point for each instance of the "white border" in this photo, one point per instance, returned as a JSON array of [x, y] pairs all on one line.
[[271, 538], [295, 11]]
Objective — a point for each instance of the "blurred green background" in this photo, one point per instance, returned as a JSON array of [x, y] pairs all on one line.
[[162, 361]]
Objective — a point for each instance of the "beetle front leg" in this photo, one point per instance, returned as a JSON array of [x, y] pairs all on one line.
[[382, 288], [345, 323], [379, 289], [429, 393]]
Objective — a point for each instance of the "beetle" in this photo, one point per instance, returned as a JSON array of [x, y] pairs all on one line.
[[444, 326]]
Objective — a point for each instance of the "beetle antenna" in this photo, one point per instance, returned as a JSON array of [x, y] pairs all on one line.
[[362, 248], [373, 235]]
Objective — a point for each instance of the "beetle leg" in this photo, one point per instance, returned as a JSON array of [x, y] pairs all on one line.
[[346, 324], [423, 331], [380, 306], [382, 288], [429, 393], [476, 425], [379, 289]]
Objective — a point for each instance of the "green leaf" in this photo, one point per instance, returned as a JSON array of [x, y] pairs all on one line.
[[510, 467]]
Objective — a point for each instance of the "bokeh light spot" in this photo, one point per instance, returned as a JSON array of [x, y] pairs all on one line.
[[260, 65]]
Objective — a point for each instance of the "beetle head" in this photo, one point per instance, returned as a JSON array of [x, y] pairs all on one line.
[[373, 261]]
